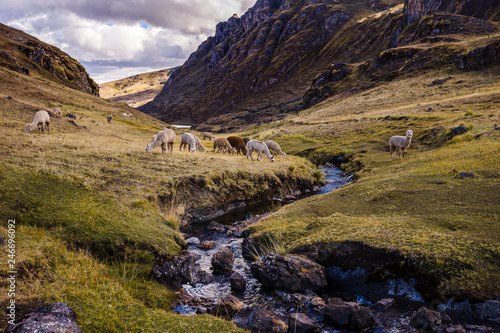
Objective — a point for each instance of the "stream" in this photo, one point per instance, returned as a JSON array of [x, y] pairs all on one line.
[[349, 285]]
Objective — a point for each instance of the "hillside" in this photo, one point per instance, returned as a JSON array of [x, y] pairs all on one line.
[[27, 55], [257, 68], [136, 90], [94, 211]]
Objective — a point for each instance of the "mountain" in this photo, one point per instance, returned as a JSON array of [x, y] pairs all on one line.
[[259, 67], [27, 55], [136, 90]]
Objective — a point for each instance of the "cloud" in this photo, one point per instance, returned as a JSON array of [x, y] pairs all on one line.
[[122, 35]]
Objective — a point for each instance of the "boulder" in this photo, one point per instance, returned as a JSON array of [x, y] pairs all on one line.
[[362, 319], [58, 318], [301, 323], [222, 261], [426, 319], [237, 281], [257, 319], [290, 272], [383, 304], [179, 270], [339, 313], [228, 307], [192, 241]]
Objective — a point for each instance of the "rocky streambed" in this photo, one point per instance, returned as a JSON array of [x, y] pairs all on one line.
[[226, 275]]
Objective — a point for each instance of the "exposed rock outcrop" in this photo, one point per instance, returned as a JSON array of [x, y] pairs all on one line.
[[179, 270], [26, 54], [290, 272], [58, 318]]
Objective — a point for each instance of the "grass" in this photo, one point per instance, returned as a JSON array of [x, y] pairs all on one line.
[[446, 227], [94, 210]]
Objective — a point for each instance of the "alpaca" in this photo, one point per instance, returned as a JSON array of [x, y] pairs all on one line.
[[237, 143], [199, 146], [57, 112], [260, 147], [164, 138], [42, 120], [187, 139], [274, 147], [222, 143], [208, 135], [109, 118], [401, 143]]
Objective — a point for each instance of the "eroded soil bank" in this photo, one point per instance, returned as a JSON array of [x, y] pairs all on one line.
[[380, 286]]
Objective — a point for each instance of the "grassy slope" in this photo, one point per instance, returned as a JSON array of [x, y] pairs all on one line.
[[85, 199], [135, 90], [447, 227]]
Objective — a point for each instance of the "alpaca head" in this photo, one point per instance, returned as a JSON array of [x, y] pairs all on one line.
[[27, 128], [148, 148], [409, 133]]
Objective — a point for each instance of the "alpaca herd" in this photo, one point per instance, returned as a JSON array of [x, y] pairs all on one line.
[[231, 144]]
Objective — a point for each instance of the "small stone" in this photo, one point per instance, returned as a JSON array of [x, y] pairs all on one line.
[[237, 281], [206, 245], [228, 307], [301, 323], [192, 241]]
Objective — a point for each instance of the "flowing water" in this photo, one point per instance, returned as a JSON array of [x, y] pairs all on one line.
[[405, 296]]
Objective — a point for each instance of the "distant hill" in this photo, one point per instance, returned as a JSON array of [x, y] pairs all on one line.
[[260, 67], [27, 55], [136, 90]]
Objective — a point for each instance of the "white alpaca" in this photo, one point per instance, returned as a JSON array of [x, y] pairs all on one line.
[[42, 120], [274, 147], [164, 138], [187, 139], [260, 147], [401, 143], [199, 146]]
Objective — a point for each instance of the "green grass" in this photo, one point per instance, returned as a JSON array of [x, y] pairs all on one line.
[[94, 209], [446, 227]]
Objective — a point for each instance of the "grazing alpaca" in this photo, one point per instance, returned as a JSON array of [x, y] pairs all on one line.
[[57, 112], [42, 120], [222, 143], [237, 143], [109, 118], [208, 135], [401, 143], [164, 138], [260, 147], [199, 146], [274, 147], [187, 139]]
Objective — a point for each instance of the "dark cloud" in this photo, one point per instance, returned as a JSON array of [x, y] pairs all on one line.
[[122, 35]]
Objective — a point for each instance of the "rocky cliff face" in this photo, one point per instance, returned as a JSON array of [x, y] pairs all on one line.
[[484, 9], [267, 47], [259, 66], [25, 54]]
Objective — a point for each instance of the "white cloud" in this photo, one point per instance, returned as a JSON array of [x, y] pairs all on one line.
[[122, 36]]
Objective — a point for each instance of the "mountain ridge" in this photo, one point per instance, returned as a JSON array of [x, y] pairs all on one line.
[[259, 67]]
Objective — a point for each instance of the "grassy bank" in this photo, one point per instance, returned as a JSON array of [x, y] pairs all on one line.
[[447, 227], [90, 208]]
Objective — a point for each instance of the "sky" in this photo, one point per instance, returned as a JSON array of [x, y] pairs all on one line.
[[114, 39]]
